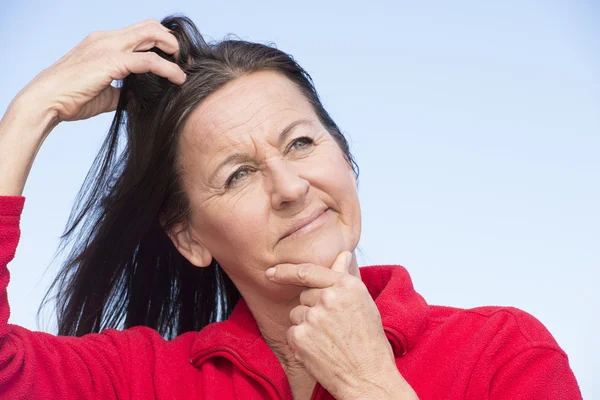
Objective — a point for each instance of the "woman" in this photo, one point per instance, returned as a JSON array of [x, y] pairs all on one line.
[[234, 200]]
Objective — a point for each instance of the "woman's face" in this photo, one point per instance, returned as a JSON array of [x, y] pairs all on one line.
[[257, 167]]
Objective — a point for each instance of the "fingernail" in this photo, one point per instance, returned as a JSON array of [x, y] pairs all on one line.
[[270, 273], [348, 258]]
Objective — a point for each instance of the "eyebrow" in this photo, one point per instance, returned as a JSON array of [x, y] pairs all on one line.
[[237, 157], [288, 129]]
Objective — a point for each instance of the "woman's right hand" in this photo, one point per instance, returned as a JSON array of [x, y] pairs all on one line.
[[78, 86]]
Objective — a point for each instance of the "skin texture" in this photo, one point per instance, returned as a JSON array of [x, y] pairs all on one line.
[[242, 214], [336, 332], [243, 226]]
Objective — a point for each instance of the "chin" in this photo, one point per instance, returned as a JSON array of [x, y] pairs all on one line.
[[320, 246], [318, 250]]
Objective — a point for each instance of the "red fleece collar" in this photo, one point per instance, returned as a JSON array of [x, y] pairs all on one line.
[[403, 311], [403, 314]]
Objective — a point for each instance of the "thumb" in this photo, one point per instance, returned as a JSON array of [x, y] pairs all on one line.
[[106, 101], [110, 98], [342, 262]]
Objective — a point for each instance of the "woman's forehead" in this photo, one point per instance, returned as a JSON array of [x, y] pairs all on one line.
[[247, 117], [255, 105]]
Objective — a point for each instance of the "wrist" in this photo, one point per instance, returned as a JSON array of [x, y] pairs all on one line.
[[22, 132], [388, 385], [29, 120]]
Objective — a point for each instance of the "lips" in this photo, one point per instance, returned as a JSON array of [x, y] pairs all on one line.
[[300, 223]]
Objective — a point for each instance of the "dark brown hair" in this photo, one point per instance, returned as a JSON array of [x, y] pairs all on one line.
[[123, 269]]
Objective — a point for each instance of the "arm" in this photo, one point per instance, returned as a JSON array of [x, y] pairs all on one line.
[[38, 365], [78, 86], [20, 140]]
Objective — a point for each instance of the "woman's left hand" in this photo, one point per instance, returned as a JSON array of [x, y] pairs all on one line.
[[336, 332]]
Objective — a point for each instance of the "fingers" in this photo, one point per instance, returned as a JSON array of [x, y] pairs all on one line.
[[306, 275], [110, 98], [147, 36], [311, 275], [298, 314], [139, 63], [342, 262], [135, 40], [310, 297], [150, 21]]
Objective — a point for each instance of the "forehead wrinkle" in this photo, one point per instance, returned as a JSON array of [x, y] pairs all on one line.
[[201, 123], [251, 117], [246, 107], [236, 91], [213, 101], [268, 117], [202, 139], [279, 122], [239, 139], [226, 139], [192, 162], [218, 130], [263, 121], [276, 91], [215, 156], [275, 95], [257, 150]]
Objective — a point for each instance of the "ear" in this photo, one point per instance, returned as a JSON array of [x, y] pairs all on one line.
[[194, 251]]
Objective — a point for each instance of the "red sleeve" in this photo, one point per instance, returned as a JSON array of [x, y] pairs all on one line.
[[36, 365], [536, 373]]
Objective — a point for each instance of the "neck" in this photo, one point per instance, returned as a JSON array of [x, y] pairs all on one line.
[[273, 316], [273, 326], [273, 320]]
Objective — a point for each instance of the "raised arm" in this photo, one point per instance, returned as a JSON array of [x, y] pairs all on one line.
[[78, 86]]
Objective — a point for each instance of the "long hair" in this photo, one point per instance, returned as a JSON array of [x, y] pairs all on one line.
[[122, 269]]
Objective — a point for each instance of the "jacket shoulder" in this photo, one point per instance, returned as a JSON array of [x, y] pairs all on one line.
[[500, 322]]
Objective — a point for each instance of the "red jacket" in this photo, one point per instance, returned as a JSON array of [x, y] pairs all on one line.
[[443, 352]]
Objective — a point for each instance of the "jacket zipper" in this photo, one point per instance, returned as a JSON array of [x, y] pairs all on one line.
[[241, 361]]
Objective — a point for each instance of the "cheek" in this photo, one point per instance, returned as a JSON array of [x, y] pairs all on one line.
[[344, 187], [337, 179], [331, 174], [235, 223]]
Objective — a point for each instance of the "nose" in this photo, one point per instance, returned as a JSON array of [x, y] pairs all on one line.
[[286, 186]]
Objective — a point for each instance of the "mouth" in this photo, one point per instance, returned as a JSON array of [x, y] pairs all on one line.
[[307, 224]]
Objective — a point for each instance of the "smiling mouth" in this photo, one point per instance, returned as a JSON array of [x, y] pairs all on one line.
[[308, 224]]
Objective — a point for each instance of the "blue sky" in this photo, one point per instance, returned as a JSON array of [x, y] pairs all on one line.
[[476, 127]]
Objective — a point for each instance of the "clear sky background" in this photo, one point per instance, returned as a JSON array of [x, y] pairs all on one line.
[[476, 127]]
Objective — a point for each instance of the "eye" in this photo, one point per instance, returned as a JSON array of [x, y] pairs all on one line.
[[300, 143], [239, 175]]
